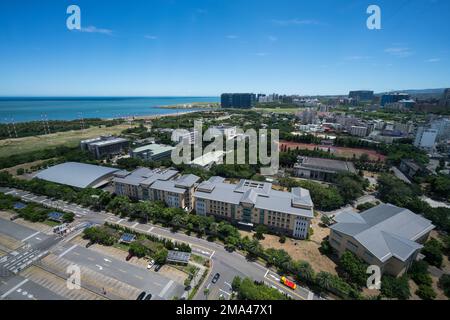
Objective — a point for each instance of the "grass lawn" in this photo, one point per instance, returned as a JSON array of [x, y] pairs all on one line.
[[70, 138], [51, 223]]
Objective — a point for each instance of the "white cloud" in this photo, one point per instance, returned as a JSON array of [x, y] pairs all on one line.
[[433, 60], [291, 22], [93, 29], [401, 52], [150, 37]]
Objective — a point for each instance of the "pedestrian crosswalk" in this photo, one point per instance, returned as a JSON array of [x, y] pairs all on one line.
[[19, 260]]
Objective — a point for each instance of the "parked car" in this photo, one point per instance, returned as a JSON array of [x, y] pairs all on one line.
[[157, 267], [151, 263], [14, 217], [129, 256], [215, 278], [90, 243], [141, 296], [148, 297]]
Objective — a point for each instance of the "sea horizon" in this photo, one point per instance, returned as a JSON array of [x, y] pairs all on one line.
[[25, 109]]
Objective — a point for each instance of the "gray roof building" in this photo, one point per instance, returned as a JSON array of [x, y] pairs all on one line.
[[258, 194], [144, 176], [79, 175], [385, 231]]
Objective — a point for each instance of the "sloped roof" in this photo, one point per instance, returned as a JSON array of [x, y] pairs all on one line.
[[385, 231], [79, 175]]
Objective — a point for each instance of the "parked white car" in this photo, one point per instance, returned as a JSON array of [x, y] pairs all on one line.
[[150, 264]]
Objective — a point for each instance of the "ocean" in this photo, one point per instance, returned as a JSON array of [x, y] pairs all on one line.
[[30, 109]]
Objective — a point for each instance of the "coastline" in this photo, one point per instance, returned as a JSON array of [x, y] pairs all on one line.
[[156, 116]]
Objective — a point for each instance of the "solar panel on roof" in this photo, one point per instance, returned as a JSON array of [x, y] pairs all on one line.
[[127, 237], [19, 205], [57, 216]]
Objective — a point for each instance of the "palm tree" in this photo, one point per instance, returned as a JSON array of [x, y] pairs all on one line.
[[325, 280]]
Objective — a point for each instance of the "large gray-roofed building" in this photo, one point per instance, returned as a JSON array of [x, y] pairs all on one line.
[[321, 169], [79, 175], [385, 235]]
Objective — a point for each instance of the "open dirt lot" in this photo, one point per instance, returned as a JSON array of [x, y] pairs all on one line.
[[306, 250], [337, 151]]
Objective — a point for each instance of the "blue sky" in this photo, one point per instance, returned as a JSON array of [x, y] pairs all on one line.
[[206, 47]]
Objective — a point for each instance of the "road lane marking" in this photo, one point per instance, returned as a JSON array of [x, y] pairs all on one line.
[[135, 225], [99, 266], [150, 230], [223, 291], [227, 284], [31, 236], [120, 221], [212, 254], [166, 288], [13, 289], [266, 273], [107, 260], [67, 251]]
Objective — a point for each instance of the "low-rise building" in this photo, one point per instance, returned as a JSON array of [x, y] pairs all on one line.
[[208, 159], [387, 236], [321, 169], [157, 185], [410, 168], [358, 131], [252, 203], [152, 152], [105, 146]]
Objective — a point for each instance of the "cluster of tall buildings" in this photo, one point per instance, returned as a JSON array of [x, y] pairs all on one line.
[[238, 100]]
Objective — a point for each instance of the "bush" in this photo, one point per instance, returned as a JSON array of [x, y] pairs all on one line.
[[433, 252], [395, 288], [426, 292], [444, 284], [419, 273], [247, 289]]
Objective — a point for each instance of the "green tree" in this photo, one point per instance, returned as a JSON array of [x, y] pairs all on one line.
[[138, 249], [160, 256], [426, 292], [444, 284], [354, 267], [433, 252], [392, 287]]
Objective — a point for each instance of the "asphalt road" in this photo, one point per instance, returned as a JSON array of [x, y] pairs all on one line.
[[146, 280], [227, 264]]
